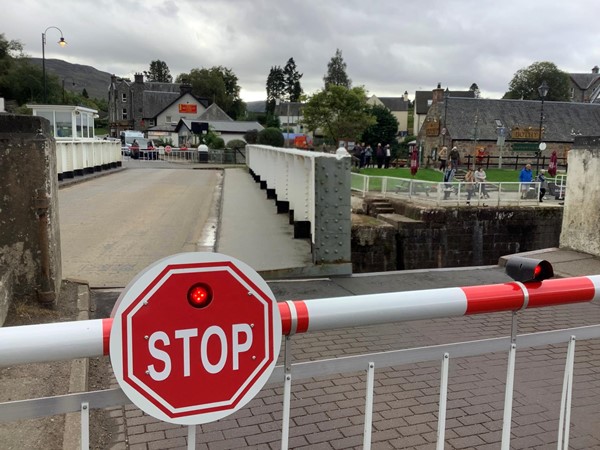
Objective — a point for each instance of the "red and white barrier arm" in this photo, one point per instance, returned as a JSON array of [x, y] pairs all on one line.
[[90, 338], [301, 316]]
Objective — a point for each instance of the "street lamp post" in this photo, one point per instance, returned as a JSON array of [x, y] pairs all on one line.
[[63, 86], [445, 129], [543, 91], [62, 43]]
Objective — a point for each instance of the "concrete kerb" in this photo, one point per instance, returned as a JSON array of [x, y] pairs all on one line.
[[79, 372]]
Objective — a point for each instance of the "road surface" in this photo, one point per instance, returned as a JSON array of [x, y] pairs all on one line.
[[113, 227]]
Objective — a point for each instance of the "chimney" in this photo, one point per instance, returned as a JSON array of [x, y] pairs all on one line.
[[595, 69], [185, 88], [139, 78], [438, 94]]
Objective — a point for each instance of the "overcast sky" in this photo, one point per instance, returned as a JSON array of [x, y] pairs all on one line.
[[389, 46]]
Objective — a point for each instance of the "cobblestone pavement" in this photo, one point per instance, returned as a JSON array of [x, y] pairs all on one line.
[[327, 412]]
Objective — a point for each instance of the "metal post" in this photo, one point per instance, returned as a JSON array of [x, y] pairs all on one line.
[[85, 425], [565, 402], [287, 394], [44, 66], [510, 380], [441, 431], [191, 441], [369, 407]]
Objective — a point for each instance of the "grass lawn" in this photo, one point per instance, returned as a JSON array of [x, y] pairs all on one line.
[[493, 175]]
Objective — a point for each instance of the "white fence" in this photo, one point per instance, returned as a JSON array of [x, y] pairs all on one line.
[[79, 157], [456, 193]]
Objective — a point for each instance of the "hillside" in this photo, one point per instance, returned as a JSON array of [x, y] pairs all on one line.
[[94, 81]]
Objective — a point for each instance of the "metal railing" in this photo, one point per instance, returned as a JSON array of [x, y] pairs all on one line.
[[456, 193], [372, 309], [187, 155]]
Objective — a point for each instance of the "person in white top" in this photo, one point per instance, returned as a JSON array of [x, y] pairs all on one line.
[[480, 177]]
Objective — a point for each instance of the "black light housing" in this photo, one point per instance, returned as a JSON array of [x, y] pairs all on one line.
[[527, 270]]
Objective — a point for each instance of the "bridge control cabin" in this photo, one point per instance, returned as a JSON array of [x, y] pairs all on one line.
[[68, 122]]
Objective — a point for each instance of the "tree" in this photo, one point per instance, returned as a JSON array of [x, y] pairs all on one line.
[[293, 89], [339, 112], [525, 83], [275, 88], [474, 88], [271, 136], [219, 85], [384, 130], [336, 72], [159, 72]]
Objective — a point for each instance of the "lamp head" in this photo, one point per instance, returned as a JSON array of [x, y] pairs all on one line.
[[543, 89], [62, 42]]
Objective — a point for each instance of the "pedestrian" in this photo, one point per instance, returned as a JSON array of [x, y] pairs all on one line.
[[525, 178], [443, 157], [480, 177], [541, 178], [470, 184], [455, 157], [388, 156], [356, 156], [380, 155], [368, 156], [448, 177]]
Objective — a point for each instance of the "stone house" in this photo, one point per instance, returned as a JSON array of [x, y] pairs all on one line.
[[585, 87], [424, 100], [474, 125]]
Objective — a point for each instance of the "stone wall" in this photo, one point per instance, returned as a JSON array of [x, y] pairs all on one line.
[[29, 227], [581, 229], [451, 237]]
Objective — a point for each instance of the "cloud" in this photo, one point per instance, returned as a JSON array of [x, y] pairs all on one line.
[[389, 46]]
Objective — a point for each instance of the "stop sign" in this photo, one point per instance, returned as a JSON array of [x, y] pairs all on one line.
[[194, 337]]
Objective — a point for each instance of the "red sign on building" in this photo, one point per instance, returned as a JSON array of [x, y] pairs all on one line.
[[187, 108]]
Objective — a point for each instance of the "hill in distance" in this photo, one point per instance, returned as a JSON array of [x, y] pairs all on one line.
[[94, 81]]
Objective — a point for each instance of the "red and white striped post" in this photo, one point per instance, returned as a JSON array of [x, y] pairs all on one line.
[[69, 340]]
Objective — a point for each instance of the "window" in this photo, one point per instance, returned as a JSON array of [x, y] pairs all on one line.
[[124, 114], [498, 123], [168, 119], [572, 93], [64, 124], [124, 97]]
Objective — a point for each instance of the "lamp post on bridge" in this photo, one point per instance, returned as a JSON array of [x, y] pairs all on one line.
[[62, 43], [543, 91], [445, 129]]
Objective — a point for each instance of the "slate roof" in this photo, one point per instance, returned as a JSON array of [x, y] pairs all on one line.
[[584, 80], [214, 113], [394, 103], [156, 101], [562, 120], [422, 99]]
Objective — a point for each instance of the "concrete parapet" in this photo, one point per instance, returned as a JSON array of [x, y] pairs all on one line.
[[29, 226]]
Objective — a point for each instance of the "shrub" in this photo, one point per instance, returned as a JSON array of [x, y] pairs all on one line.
[[217, 143], [271, 136], [236, 144], [251, 136]]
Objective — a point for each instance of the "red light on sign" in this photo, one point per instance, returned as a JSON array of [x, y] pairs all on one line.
[[200, 295]]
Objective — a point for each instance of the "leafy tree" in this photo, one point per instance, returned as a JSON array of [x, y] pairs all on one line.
[[474, 88], [159, 72], [336, 72], [84, 93], [271, 136], [219, 85], [526, 81], [384, 130], [339, 112], [293, 89], [275, 88]]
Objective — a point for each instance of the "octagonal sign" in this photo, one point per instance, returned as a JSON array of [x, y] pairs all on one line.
[[195, 337]]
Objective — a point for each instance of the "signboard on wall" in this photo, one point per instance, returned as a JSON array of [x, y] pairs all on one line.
[[187, 108], [432, 128], [529, 133]]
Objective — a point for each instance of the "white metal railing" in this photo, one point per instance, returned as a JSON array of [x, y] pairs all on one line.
[[186, 155], [78, 157], [291, 173], [89, 339], [454, 193]]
